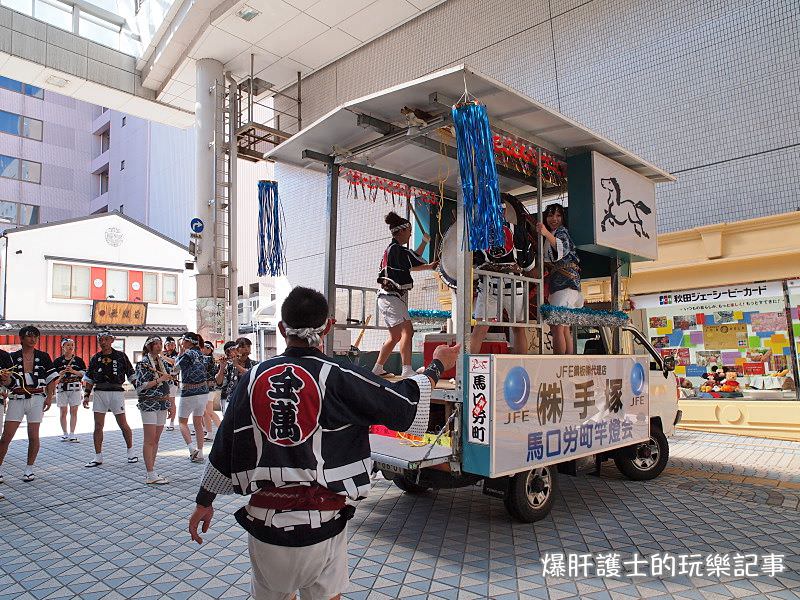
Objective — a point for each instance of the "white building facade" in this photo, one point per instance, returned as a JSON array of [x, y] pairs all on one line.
[[53, 274]]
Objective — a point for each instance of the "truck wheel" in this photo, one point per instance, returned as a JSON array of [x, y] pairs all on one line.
[[408, 485], [530, 494], [646, 460]]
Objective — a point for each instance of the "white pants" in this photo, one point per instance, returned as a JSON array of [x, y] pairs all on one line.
[[108, 401], [31, 409], [192, 406], [154, 417], [68, 398], [514, 303], [568, 298], [318, 572]]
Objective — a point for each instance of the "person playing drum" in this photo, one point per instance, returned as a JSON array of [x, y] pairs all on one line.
[[395, 280], [516, 255]]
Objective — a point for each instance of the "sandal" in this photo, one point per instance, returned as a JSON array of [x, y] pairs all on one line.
[[170, 428], [93, 463], [157, 481], [28, 477], [133, 459]]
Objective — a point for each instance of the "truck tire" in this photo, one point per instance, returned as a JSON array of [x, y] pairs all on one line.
[[406, 483], [646, 460], [530, 494]]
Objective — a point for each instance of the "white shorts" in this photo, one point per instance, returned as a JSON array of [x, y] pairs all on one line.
[[154, 417], [31, 409], [568, 298], [69, 398], [108, 401], [514, 303], [214, 396], [393, 309], [319, 572], [192, 406]]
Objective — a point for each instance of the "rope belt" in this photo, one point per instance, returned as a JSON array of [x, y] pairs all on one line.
[[301, 497], [26, 392], [193, 386]]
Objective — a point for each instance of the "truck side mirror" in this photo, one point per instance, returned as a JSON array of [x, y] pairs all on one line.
[[669, 363]]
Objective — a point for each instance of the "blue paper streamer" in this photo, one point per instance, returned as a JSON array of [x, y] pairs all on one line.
[[271, 258], [429, 315], [587, 317], [481, 190]]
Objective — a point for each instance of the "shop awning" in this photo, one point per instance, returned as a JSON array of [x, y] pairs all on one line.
[[373, 131], [67, 329]]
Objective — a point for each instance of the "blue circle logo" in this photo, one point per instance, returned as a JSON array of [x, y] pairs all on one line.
[[517, 388], [637, 379]]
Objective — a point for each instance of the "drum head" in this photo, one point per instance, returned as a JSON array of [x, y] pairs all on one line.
[[448, 258]]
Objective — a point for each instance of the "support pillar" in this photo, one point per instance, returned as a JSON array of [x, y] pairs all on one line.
[[208, 76]]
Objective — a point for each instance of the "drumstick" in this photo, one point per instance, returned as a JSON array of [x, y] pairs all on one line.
[[363, 331]]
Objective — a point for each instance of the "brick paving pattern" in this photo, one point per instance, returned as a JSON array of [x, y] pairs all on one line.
[[101, 533]]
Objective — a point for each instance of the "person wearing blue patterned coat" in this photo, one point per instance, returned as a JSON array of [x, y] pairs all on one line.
[[152, 379]]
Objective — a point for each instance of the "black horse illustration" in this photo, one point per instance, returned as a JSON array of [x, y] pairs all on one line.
[[628, 209]]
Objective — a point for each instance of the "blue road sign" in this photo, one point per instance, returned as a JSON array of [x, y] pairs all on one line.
[[197, 225]]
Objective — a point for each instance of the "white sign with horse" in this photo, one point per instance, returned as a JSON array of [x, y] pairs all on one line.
[[624, 208]]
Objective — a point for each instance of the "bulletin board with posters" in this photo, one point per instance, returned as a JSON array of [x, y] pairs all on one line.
[[541, 410], [743, 327], [794, 306]]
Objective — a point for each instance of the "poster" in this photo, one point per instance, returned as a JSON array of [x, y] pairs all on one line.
[[551, 409], [725, 337], [768, 321], [681, 355], [706, 358], [684, 322], [723, 316], [778, 362], [657, 322], [758, 355], [660, 341]]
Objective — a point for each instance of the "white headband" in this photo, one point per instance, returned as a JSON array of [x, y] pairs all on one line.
[[401, 227], [309, 334]]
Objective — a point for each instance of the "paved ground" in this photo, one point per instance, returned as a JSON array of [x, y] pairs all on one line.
[[101, 533]]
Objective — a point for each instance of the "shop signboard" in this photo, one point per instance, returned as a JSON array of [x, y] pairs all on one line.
[[737, 294], [480, 388], [621, 204], [549, 409], [106, 313]]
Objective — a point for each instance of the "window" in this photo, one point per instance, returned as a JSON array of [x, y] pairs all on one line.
[[55, 13], [124, 119], [116, 285], [150, 287], [71, 281], [122, 165], [25, 170], [105, 141], [18, 125], [16, 86], [98, 30], [169, 293], [28, 215], [103, 182]]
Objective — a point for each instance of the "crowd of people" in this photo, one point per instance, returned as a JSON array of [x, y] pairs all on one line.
[[184, 379]]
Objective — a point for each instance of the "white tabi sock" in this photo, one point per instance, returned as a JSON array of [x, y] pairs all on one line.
[[192, 447], [28, 470], [408, 371], [131, 454], [377, 369], [98, 457]]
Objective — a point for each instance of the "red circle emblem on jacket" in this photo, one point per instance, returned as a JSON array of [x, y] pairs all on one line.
[[286, 403]]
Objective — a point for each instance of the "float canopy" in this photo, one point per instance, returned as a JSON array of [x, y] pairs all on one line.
[[373, 131]]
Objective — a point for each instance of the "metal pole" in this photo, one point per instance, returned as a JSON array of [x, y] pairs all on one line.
[[540, 250], [299, 101], [250, 95], [330, 249], [615, 303], [792, 340], [233, 157], [464, 289]]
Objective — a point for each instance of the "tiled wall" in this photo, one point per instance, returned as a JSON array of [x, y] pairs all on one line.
[[707, 90]]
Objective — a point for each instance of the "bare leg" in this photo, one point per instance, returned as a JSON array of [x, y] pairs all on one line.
[[476, 339], [198, 431], [406, 335], [33, 442], [149, 446], [183, 425], [122, 421], [569, 343], [63, 417], [8, 434], [520, 344], [395, 333], [99, 421], [73, 418]]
